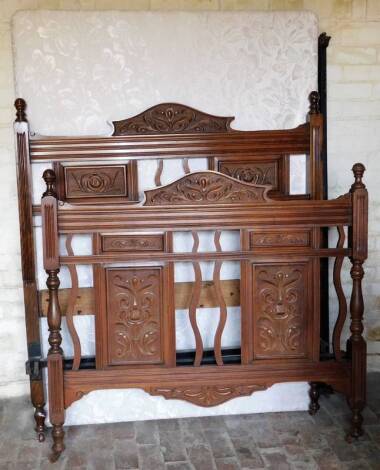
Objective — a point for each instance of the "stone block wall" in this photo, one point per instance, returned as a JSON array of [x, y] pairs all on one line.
[[354, 135]]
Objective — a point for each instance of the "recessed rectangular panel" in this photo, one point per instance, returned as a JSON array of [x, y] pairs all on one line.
[[271, 238], [134, 315], [282, 311], [93, 181], [97, 183], [256, 169], [140, 242]]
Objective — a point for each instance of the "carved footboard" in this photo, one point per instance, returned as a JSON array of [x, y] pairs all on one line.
[[135, 294]]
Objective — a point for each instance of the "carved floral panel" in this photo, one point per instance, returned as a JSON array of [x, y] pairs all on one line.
[[206, 395], [134, 315], [172, 118], [95, 181], [251, 172], [111, 243], [279, 238], [280, 303], [202, 188]]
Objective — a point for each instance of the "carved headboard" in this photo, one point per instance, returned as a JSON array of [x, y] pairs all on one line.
[[174, 131]]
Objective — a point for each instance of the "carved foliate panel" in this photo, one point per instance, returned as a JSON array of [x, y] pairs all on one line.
[[270, 169], [95, 183], [172, 118], [281, 310], [134, 315], [251, 172], [112, 243], [270, 238], [206, 187], [206, 395]]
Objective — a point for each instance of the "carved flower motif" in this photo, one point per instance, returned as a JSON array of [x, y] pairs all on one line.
[[96, 182]]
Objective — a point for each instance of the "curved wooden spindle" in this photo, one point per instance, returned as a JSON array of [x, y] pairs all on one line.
[[222, 303], [157, 176], [71, 306], [185, 165], [341, 297], [195, 296]]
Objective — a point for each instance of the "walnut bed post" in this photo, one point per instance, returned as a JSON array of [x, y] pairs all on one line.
[[356, 345], [24, 190], [55, 355]]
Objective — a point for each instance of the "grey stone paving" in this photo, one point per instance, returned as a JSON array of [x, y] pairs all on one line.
[[277, 441]]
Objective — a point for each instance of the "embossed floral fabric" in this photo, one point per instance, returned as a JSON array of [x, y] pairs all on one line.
[[78, 71]]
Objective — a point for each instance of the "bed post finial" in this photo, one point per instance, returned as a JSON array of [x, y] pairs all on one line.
[[314, 102], [20, 105], [358, 170], [49, 178]]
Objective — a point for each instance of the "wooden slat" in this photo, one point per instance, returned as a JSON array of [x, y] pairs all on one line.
[[86, 304], [221, 302], [71, 306]]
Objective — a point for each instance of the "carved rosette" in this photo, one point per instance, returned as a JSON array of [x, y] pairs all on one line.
[[206, 395], [95, 182], [134, 308], [206, 187], [172, 118], [280, 312]]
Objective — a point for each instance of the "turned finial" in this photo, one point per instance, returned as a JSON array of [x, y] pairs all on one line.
[[20, 106], [314, 102], [323, 40], [358, 170], [49, 178]]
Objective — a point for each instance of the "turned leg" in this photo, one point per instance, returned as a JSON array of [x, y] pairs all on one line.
[[58, 446], [38, 401], [39, 418], [314, 398], [356, 422]]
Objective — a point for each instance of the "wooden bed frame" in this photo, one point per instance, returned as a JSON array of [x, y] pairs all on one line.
[[36, 302], [92, 189]]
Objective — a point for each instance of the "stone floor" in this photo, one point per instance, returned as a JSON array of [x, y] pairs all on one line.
[[275, 441]]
